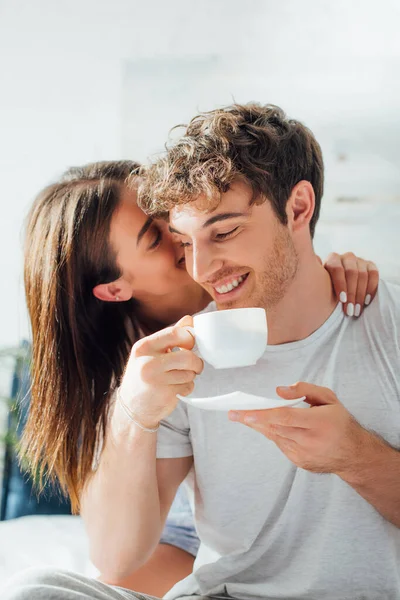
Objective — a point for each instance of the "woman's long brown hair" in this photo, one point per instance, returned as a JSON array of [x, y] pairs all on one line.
[[80, 344]]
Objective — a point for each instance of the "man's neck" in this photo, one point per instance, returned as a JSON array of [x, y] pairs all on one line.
[[307, 304]]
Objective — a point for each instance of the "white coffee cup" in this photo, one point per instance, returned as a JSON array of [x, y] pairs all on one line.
[[231, 338]]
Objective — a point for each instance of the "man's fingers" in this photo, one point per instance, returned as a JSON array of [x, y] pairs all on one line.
[[286, 445], [296, 434], [284, 417], [315, 394], [286, 438]]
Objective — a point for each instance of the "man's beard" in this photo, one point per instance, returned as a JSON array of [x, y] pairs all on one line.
[[280, 270]]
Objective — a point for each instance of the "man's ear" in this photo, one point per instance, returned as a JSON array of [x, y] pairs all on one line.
[[300, 206], [116, 291]]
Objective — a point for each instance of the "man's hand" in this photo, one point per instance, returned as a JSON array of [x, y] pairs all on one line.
[[324, 439]]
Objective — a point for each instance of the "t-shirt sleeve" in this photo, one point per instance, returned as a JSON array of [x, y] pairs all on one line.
[[173, 438]]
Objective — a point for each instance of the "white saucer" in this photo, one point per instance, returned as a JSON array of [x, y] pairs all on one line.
[[238, 401]]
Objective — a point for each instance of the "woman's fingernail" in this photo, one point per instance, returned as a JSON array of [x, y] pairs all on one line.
[[367, 299], [286, 388], [233, 415], [357, 310], [350, 309], [343, 297]]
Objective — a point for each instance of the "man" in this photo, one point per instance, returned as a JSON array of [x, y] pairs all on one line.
[[289, 503], [316, 513]]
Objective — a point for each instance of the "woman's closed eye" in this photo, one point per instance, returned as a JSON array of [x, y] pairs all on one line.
[[157, 237]]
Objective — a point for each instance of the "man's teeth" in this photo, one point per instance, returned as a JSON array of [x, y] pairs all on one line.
[[224, 289]]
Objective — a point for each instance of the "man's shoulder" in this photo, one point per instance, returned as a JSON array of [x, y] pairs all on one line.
[[388, 297], [384, 311]]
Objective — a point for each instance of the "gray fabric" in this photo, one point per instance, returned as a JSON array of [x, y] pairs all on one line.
[[179, 528], [50, 584], [267, 528]]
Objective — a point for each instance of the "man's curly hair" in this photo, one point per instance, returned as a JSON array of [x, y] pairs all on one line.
[[255, 143]]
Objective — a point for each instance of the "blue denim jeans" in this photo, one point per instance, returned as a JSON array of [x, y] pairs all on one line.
[[179, 528]]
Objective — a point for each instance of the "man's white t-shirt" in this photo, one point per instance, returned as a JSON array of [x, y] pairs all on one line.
[[269, 529]]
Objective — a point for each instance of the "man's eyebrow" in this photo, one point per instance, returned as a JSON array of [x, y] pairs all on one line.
[[214, 219], [222, 217], [143, 231]]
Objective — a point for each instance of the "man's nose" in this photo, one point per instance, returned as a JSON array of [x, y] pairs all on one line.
[[204, 263]]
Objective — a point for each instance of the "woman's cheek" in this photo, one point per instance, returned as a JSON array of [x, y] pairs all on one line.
[[162, 268]]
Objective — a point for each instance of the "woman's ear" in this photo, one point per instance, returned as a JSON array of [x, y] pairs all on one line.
[[116, 291], [300, 206]]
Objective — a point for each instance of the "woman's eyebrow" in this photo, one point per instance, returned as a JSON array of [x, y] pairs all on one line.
[[173, 230]]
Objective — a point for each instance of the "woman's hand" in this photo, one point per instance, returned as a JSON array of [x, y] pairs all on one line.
[[354, 280], [155, 374]]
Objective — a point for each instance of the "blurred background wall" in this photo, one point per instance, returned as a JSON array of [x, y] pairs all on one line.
[[85, 80]]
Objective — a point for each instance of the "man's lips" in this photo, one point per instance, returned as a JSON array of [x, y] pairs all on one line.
[[229, 285], [226, 280]]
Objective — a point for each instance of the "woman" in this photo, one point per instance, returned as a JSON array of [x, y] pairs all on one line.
[[99, 274]]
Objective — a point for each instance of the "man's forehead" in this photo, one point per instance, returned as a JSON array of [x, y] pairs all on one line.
[[235, 202], [187, 211]]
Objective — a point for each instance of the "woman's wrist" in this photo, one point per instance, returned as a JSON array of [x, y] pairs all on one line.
[[123, 432], [146, 425]]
